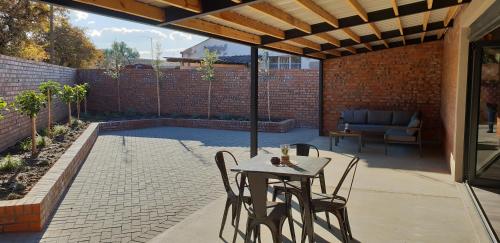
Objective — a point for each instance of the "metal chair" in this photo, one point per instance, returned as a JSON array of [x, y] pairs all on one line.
[[303, 149], [233, 198], [336, 204], [276, 214]]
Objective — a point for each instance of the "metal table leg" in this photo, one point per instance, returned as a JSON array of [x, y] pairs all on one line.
[[308, 220]]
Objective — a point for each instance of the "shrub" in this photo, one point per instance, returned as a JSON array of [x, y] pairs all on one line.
[[9, 163], [75, 124], [59, 130], [41, 141], [3, 106]]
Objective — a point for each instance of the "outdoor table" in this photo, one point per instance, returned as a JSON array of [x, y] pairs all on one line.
[[259, 169]]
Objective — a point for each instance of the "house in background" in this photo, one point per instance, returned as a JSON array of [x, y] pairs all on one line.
[[237, 53]]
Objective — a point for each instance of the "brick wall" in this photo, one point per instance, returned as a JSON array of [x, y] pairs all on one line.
[[294, 93], [17, 75], [405, 78]]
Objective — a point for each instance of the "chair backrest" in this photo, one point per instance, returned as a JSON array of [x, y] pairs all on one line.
[[352, 164], [221, 164], [303, 149]]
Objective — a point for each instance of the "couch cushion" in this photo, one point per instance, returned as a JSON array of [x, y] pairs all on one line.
[[401, 118], [347, 116], [399, 135], [368, 128], [380, 117], [413, 125], [359, 116]]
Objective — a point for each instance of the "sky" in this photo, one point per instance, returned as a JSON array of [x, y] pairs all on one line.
[[104, 30]]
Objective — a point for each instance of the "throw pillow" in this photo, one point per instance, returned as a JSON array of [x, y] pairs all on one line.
[[412, 126]]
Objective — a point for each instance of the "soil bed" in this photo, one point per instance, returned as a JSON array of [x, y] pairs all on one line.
[[16, 183]]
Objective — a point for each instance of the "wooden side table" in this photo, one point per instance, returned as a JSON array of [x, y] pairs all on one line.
[[337, 134]]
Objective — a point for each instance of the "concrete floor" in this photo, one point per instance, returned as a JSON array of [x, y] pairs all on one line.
[[396, 198]]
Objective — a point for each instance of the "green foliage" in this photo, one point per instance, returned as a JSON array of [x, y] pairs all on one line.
[[49, 86], [59, 130], [3, 106], [207, 65], [115, 58], [41, 141], [29, 103], [75, 123], [80, 92], [10, 163], [67, 94]]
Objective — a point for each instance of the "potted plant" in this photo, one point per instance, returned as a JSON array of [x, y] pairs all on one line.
[[207, 69], [30, 103], [49, 89]]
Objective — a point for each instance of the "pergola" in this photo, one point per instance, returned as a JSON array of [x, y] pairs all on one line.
[[319, 29]]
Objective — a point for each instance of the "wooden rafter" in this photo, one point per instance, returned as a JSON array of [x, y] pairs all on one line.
[[307, 43], [219, 30], [394, 5], [450, 15], [317, 55], [375, 30], [425, 21], [130, 7], [333, 52], [281, 15], [359, 9], [286, 47], [247, 22], [190, 5], [352, 35], [400, 25], [350, 49], [325, 15], [328, 38], [429, 4], [368, 46], [385, 43]]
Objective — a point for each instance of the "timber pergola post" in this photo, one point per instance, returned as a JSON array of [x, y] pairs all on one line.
[[254, 99], [320, 98]]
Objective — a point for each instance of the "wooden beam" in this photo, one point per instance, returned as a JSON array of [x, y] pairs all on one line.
[[313, 7], [375, 30], [317, 55], [422, 37], [190, 5], [330, 39], [404, 40], [350, 49], [394, 4], [359, 9], [450, 15], [429, 4], [307, 43], [368, 46], [247, 22], [286, 47], [130, 7], [385, 43], [219, 30], [400, 25], [425, 21], [333, 52], [282, 16], [236, 1], [352, 35]]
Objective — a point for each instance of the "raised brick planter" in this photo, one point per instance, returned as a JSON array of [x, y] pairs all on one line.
[[32, 212], [281, 127]]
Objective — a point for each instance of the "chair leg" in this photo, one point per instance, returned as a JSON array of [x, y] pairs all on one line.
[[290, 217], [233, 212], [348, 225], [248, 231], [275, 194], [237, 223], [340, 218], [323, 190], [226, 208]]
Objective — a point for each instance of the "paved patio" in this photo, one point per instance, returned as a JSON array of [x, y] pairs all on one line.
[[162, 182]]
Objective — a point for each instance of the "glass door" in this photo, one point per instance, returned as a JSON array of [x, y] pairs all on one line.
[[484, 114]]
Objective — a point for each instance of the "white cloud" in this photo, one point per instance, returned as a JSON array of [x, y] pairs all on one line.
[[124, 30], [91, 22], [80, 15], [181, 34]]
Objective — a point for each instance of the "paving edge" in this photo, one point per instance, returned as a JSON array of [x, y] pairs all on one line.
[[31, 213], [264, 126]]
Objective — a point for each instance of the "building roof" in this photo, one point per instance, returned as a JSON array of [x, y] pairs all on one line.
[[235, 60], [313, 28]]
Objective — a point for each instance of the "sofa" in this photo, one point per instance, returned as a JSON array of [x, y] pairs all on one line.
[[401, 127]]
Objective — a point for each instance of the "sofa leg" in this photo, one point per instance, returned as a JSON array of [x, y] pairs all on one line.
[[385, 148], [420, 149]]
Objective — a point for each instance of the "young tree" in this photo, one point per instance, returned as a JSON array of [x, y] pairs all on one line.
[[67, 95], [80, 93], [158, 73], [207, 69], [87, 90], [264, 71], [3, 106], [49, 89], [30, 103]]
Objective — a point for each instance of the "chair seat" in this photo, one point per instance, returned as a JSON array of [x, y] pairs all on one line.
[[323, 202], [399, 135], [275, 210]]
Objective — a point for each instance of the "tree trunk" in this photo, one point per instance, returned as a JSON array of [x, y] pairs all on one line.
[[49, 125], [78, 110], [85, 105], [158, 93], [119, 102], [268, 102], [69, 114], [33, 136], [209, 97]]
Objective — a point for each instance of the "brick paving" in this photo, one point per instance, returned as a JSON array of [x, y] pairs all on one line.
[[135, 184]]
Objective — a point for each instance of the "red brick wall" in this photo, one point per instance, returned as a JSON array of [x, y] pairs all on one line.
[[405, 78], [294, 93], [17, 75]]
